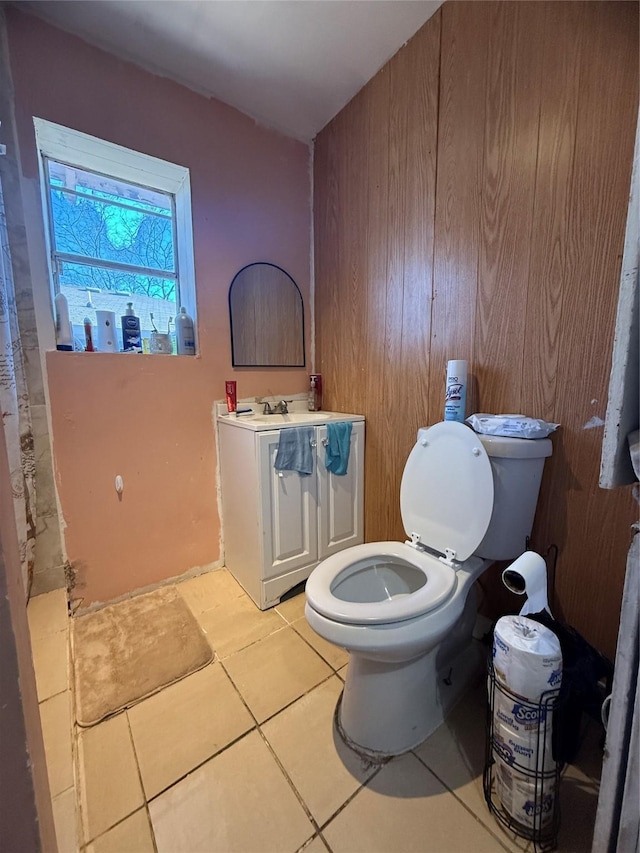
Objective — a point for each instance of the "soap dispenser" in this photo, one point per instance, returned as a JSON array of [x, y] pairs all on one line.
[[131, 337], [315, 392]]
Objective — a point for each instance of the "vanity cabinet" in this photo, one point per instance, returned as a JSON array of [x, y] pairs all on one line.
[[277, 525]]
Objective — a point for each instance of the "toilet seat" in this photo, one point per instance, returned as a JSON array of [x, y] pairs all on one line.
[[450, 519], [439, 584]]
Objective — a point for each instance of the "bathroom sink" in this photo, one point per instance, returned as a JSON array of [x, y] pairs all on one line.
[[258, 421]]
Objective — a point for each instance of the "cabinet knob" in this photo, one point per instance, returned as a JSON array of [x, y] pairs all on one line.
[[313, 442], [325, 442], [280, 474]]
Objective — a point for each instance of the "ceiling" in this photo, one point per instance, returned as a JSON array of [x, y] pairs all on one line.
[[289, 64]]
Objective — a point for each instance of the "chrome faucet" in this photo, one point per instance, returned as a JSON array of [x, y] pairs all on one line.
[[280, 408]]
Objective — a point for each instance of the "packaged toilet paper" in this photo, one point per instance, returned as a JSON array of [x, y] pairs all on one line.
[[526, 750], [527, 802], [519, 716], [526, 657]]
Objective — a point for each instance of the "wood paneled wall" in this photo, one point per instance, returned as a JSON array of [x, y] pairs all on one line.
[[470, 202]]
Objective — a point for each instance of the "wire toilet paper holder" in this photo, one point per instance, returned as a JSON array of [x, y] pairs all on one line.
[[543, 810]]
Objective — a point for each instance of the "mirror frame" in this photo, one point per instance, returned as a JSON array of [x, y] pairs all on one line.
[[234, 361]]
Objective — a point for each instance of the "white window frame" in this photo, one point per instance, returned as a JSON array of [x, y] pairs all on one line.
[[97, 155]]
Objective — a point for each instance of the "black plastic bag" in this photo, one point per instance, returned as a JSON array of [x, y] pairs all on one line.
[[583, 667]]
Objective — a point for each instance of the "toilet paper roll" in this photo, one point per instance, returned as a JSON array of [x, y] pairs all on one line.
[[525, 750], [526, 657], [106, 337], [519, 716], [527, 802], [528, 576]]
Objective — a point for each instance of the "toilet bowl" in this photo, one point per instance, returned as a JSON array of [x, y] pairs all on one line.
[[466, 500]]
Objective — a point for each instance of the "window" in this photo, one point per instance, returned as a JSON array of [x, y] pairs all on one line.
[[119, 230]]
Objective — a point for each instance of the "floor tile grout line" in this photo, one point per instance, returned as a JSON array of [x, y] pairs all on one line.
[[75, 752], [282, 616], [81, 807], [302, 637], [284, 707], [119, 822], [140, 779], [37, 638], [76, 737], [255, 727], [88, 841], [278, 762], [462, 803], [64, 791], [319, 827], [243, 648], [298, 795], [196, 767], [207, 609], [239, 692], [310, 841], [302, 695], [350, 799], [66, 630], [76, 730], [258, 727], [499, 838], [325, 842], [293, 701], [272, 634], [218, 752], [74, 787], [227, 746], [53, 696]]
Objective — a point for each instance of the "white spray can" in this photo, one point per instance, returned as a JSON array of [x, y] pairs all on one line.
[[456, 393]]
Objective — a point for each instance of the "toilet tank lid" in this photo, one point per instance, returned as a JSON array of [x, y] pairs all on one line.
[[507, 447]]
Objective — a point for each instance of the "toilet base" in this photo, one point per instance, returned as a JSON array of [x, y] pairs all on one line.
[[387, 709]]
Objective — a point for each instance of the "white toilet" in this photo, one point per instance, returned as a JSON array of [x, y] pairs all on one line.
[[403, 610]]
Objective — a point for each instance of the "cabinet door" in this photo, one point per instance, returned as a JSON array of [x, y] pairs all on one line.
[[340, 498], [288, 513]]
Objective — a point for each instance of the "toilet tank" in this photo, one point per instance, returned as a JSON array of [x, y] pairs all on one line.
[[517, 465]]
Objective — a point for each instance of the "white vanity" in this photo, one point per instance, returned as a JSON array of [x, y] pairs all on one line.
[[277, 525]]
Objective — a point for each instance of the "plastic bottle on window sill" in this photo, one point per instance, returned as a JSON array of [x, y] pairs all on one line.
[[64, 335], [131, 337], [185, 334], [88, 335]]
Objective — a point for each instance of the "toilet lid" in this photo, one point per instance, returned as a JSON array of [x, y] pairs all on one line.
[[446, 496]]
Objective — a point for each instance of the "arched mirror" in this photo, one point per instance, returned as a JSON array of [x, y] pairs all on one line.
[[267, 318]]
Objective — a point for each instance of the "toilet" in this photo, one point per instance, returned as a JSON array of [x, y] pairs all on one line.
[[403, 610]]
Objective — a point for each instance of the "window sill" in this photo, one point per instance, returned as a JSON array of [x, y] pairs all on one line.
[[120, 355]]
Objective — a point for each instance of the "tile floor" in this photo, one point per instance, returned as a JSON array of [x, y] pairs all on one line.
[[243, 755]]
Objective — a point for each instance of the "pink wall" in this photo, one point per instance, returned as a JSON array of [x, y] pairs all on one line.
[[148, 418]]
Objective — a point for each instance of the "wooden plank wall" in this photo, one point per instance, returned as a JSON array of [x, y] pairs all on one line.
[[470, 202]]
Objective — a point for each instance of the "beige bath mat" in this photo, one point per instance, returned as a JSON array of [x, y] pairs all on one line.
[[129, 650]]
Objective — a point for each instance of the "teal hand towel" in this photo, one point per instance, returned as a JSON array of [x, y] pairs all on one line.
[[338, 447], [294, 451]]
